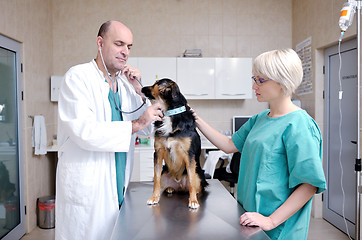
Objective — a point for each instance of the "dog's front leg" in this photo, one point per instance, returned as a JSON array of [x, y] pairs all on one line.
[[158, 157], [194, 181]]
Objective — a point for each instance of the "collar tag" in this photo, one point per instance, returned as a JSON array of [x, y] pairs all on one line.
[[175, 111]]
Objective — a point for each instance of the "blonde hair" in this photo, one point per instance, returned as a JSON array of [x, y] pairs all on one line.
[[283, 66]]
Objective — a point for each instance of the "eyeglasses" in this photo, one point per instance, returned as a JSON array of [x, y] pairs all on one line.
[[259, 81]]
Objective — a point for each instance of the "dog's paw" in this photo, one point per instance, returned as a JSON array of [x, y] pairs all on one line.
[[153, 200], [194, 204], [170, 190]]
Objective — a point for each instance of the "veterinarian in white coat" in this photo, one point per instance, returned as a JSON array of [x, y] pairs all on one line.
[[86, 188]]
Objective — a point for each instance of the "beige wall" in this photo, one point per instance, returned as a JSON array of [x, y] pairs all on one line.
[[162, 28], [318, 19], [230, 28], [58, 34], [30, 23]]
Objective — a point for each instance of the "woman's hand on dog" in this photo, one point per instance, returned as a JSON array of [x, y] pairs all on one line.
[[152, 113], [194, 113]]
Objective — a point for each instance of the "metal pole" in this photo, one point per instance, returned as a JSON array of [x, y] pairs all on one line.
[[358, 160]]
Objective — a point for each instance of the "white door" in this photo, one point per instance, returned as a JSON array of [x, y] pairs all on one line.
[[12, 217], [333, 197]]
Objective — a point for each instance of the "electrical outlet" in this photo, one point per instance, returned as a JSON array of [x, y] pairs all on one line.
[[55, 82]]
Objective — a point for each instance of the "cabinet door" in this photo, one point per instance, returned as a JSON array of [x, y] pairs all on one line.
[[146, 165], [195, 77], [133, 62], [153, 69], [233, 78], [136, 166]]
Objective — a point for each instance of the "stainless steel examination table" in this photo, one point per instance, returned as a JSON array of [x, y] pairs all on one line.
[[217, 217]]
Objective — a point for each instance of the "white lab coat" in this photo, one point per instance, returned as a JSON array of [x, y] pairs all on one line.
[[86, 189]]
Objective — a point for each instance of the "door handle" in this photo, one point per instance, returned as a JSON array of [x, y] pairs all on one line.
[[194, 94], [236, 94], [354, 142]]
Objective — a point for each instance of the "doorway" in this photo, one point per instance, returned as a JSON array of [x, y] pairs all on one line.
[[333, 197], [12, 212]]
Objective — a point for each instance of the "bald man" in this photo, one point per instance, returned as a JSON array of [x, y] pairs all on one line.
[[96, 135]]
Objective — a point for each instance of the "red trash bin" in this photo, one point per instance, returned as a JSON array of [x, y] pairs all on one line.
[[46, 212]]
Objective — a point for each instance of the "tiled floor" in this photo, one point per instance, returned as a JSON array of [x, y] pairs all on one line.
[[40, 234], [319, 229]]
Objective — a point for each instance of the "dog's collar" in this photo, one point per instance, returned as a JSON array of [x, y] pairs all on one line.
[[175, 111]]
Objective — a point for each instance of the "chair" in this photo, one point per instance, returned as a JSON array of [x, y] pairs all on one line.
[[222, 175]]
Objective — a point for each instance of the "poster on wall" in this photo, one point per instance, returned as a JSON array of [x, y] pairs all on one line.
[[304, 50]]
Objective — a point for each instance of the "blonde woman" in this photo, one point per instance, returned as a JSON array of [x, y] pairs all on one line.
[[281, 152]]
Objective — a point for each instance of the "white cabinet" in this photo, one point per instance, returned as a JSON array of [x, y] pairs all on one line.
[[196, 77], [153, 69], [146, 165], [233, 78], [143, 164], [200, 78], [133, 62], [135, 177]]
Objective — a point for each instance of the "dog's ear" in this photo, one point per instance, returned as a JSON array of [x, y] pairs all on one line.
[[167, 92], [175, 92]]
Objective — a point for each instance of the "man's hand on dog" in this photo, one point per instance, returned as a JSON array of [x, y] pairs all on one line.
[[152, 113], [132, 73]]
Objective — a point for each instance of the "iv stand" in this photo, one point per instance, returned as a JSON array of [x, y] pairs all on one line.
[[358, 159]]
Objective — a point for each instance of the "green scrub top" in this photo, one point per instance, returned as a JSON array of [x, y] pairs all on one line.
[[120, 157], [277, 155]]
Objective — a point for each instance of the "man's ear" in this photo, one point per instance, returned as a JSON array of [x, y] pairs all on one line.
[[99, 42]]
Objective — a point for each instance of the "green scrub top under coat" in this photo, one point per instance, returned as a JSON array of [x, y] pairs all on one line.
[[277, 155], [120, 157]]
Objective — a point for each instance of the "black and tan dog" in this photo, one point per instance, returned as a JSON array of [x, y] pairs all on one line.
[[177, 143]]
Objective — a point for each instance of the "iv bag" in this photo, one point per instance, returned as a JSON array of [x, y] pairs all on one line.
[[347, 14]]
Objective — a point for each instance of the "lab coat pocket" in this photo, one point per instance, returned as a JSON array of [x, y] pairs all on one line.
[[79, 182]]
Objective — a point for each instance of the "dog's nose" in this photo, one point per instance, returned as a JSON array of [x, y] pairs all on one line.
[[146, 91]]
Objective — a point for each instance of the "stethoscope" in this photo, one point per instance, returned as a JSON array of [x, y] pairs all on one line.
[[113, 81]]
